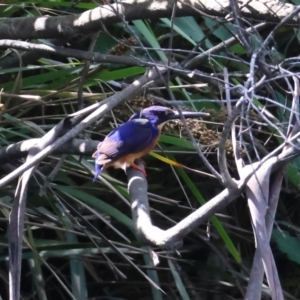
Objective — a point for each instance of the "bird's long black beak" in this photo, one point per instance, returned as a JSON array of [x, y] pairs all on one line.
[[187, 114]]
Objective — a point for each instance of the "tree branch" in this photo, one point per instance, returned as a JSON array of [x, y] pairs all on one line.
[[90, 21], [75, 147], [79, 54], [171, 238]]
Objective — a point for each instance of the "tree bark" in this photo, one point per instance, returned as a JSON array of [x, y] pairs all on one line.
[[92, 20]]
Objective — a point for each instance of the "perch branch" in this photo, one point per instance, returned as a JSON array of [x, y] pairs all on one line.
[[171, 238]]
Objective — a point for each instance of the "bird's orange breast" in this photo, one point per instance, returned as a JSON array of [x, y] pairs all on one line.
[[130, 158]]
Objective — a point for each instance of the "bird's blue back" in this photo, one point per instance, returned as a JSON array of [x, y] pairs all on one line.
[[131, 137]]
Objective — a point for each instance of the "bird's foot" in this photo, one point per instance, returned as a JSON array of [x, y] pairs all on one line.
[[133, 165], [142, 161]]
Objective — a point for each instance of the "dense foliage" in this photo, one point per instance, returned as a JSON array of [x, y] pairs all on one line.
[[79, 241]]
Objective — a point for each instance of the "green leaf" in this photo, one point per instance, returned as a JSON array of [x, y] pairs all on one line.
[[97, 203], [287, 244], [218, 30], [188, 28], [150, 37], [178, 281], [173, 140], [152, 274], [46, 79], [107, 75], [293, 172]]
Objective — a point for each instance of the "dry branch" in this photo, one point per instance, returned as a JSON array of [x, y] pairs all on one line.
[[91, 21], [75, 147], [79, 54]]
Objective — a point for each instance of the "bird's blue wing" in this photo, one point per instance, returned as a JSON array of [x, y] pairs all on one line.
[[131, 137], [98, 168]]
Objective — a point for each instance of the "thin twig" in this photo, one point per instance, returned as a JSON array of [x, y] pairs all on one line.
[[240, 26]]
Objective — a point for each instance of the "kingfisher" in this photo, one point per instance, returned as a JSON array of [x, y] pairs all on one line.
[[135, 138]]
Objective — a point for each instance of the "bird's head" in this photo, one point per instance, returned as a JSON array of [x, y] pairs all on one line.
[[159, 115]]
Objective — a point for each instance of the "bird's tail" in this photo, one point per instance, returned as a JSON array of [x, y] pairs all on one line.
[[98, 168]]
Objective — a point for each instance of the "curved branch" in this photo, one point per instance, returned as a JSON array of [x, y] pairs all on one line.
[[79, 54], [171, 238]]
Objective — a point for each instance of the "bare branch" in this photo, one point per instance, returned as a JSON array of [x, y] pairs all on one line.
[[75, 147], [197, 60], [242, 34], [171, 238], [85, 72], [292, 15], [263, 198], [90, 21], [227, 180], [257, 270], [258, 188], [79, 54]]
